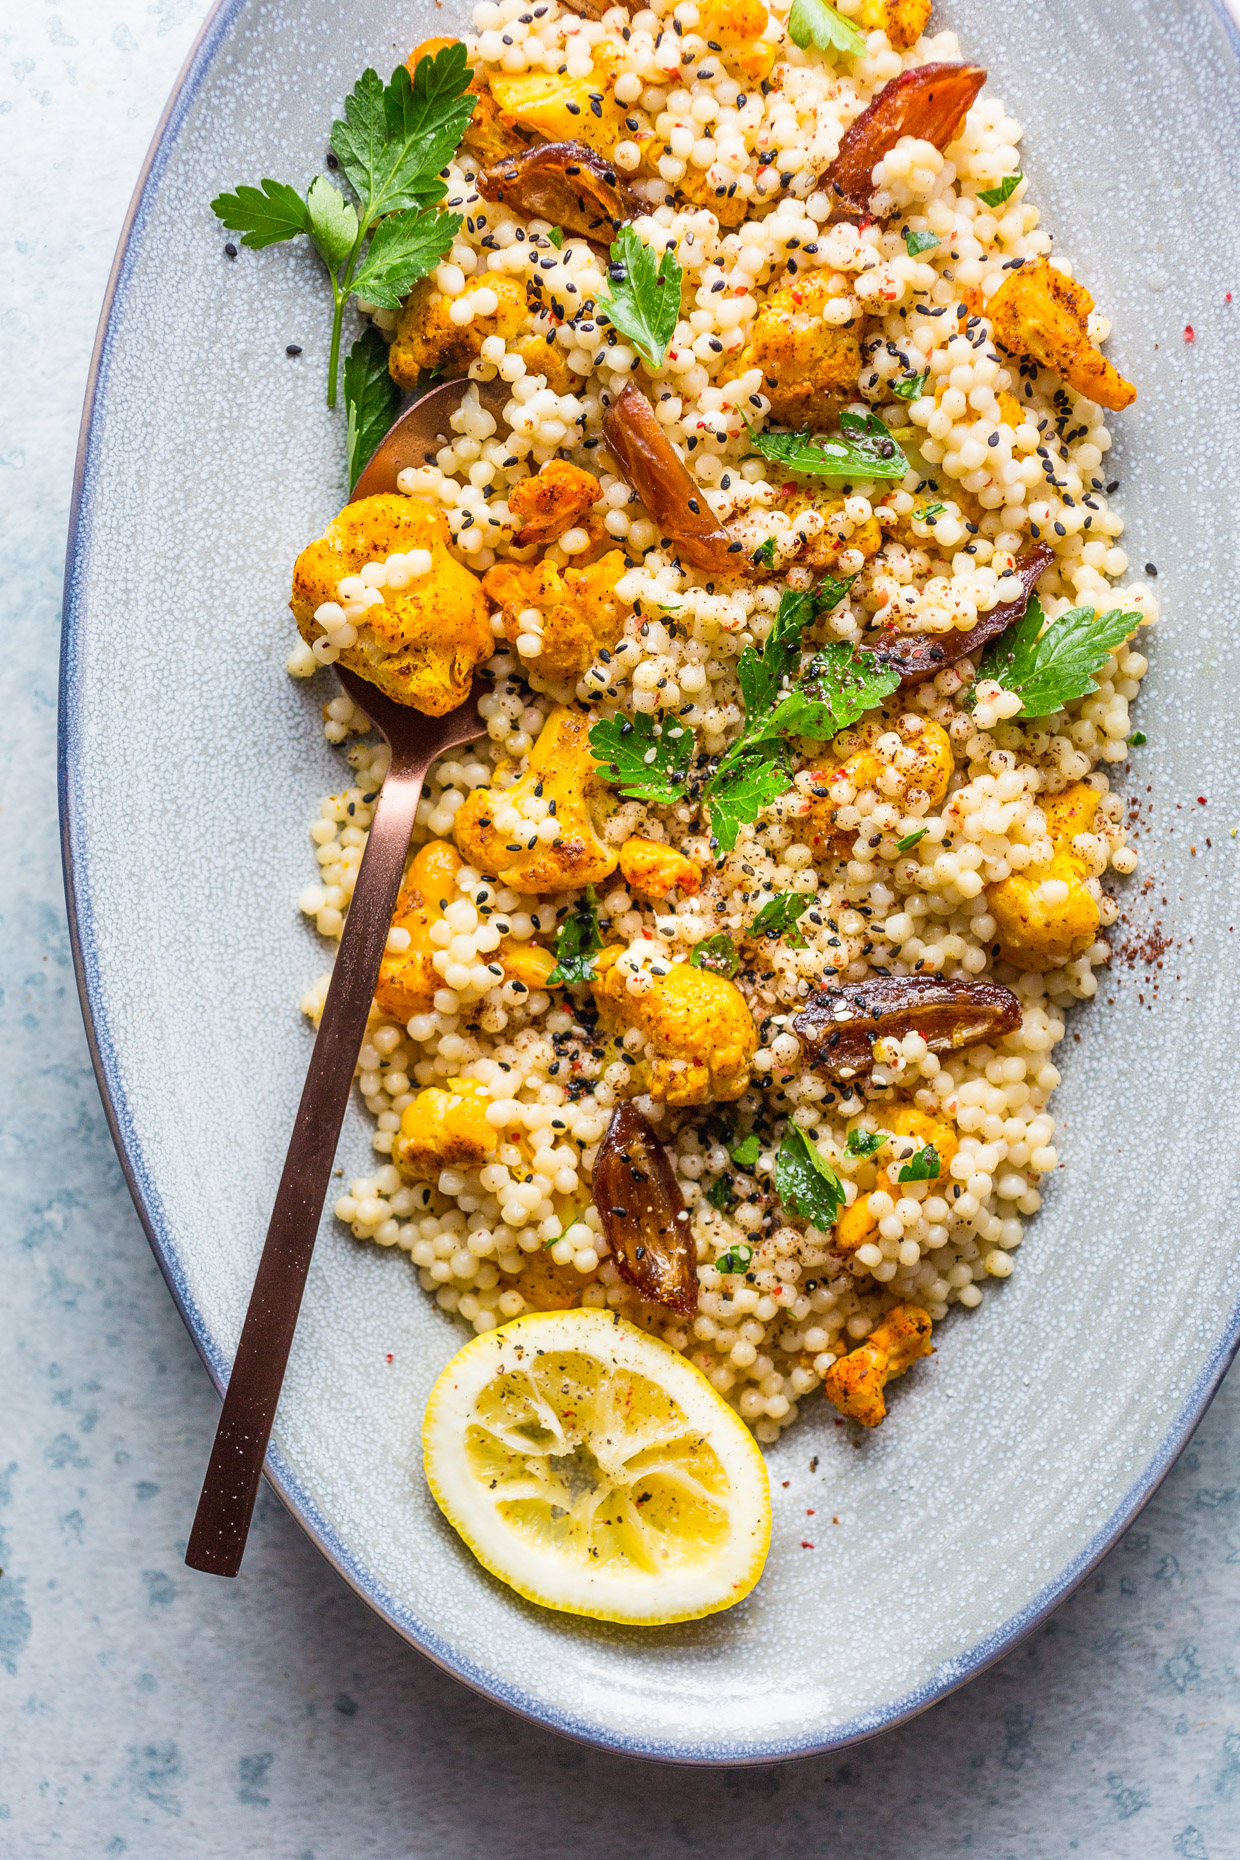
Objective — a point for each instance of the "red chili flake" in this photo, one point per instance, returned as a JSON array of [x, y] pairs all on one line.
[[806, 1546], [389, 1356], [1201, 800], [1190, 334], [1227, 299], [809, 1514], [785, 1483]]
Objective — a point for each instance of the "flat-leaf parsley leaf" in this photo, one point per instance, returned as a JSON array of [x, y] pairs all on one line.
[[644, 763], [371, 398], [918, 242], [814, 22], [863, 448], [644, 300], [805, 1180], [747, 1151], [1058, 667]]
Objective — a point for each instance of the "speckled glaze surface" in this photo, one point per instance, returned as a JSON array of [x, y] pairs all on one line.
[[191, 765]]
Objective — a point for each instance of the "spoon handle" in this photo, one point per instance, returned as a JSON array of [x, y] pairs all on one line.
[[222, 1522]]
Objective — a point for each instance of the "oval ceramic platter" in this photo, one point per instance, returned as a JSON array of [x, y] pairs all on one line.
[[192, 766]]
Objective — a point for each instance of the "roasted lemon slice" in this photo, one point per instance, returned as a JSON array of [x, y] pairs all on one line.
[[594, 1470]]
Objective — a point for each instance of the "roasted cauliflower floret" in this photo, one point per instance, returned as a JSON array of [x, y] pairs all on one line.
[[700, 1036], [1046, 915], [579, 610], [656, 870], [911, 1130], [1040, 311], [901, 757], [856, 1382], [419, 632], [407, 978], [550, 503], [540, 834], [445, 1129], [562, 108], [426, 337], [736, 26], [903, 21], [808, 366]]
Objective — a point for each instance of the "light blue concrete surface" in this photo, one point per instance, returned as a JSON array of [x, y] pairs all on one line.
[[151, 1712]]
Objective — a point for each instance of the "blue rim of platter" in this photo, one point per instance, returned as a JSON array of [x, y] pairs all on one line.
[[418, 1632]]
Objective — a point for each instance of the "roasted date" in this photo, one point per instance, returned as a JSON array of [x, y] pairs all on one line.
[[930, 102], [643, 1215], [918, 656], [649, 463], [948, 1015], [566, 183]]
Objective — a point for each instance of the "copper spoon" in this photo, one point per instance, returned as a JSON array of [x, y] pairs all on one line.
[[222, 1522]]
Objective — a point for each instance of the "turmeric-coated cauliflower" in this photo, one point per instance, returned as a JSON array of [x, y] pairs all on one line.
[[903, 21], [427, 338], [700, 1036], [1042, 312], [809, 367], [902, 757], [416, 624], [577, 612], [736, 26], [656, 870], [856, 1382], [409, 978], [1046, 915], [445, 1129], [540, 834], [911, 1130], [551, 502]]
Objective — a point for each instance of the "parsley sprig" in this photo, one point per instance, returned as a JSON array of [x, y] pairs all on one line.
[[922, 1166], [779, 917], [863, 448], [644, 300], [394, 140], [1051, 668], [371, 399]]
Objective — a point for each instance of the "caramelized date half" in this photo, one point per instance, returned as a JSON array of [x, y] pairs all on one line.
[[947, 1015], [566, 183], [652, 467], [918, 656], [930, 102], [643, 1216]]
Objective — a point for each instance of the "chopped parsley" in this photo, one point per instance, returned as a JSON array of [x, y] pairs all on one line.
[[556, 237], [923, 1167], [805, 1180], [912, 387], [995, 196], [865, 1142], [1137, 738], [778, 917], [577, 943], [747, 1151], [919, 242], [813, 22], [911, 839], [717, 953], [721, 1195], [738, 1258]]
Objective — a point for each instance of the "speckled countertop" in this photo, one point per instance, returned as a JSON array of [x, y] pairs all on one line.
[[151, 1712]]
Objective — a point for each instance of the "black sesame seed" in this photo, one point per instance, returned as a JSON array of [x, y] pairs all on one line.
[[230, 250]]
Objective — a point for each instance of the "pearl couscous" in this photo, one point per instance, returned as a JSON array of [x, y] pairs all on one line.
[[946, 835]]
